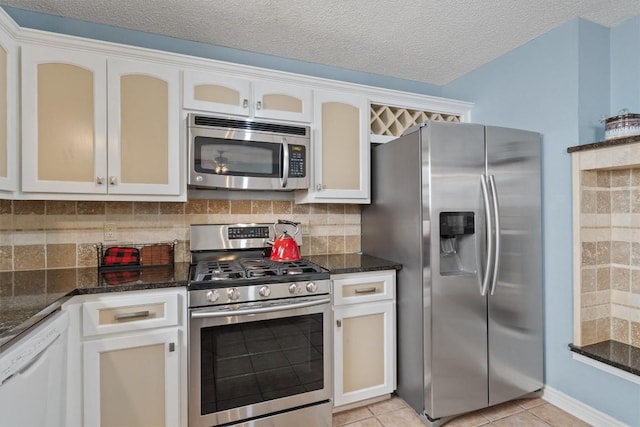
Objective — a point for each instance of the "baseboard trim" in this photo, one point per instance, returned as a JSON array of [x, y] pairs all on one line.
[[578, 409]]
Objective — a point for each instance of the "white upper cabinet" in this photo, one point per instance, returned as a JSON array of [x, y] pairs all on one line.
[[219, 93], [79, 138], [143, 128], [341, 167], [8, 112]]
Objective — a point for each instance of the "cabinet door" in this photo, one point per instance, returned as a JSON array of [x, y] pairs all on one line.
[[64, 115], [216, 93], [364, 352], [132, 380], [8, 112], [144, 128], [341, 168], [282, 102]]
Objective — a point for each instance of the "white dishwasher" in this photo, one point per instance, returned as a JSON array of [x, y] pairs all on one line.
[[32, 376]]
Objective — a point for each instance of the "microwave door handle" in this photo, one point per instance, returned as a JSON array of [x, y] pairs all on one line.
[[285, 161]]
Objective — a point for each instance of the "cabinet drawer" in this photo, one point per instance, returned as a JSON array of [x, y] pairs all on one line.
[[129, 313], [356, 288]]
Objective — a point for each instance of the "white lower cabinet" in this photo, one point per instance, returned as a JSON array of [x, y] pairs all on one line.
[[364, 336], [132, 380], [132, 359]]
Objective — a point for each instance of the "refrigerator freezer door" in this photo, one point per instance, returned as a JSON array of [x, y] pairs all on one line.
[[456, 360], [515, 307]]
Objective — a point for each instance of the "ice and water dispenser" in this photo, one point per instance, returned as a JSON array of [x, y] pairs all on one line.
[[457, 243]]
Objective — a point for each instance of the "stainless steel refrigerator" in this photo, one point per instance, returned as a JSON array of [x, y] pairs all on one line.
[[459, 205]]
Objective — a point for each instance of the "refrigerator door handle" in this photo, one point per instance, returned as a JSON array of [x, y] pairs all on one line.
[[490, 251], [496, 229]]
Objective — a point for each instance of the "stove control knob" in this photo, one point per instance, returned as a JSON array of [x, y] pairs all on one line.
[[233, 293], [293, 288], [264, 291], [213, 295], [312, 287]]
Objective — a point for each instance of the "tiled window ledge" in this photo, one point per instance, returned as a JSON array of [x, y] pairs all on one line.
[[614, 357]]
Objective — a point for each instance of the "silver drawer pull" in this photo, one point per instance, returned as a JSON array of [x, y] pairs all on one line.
[[132, 315], [366, 290]]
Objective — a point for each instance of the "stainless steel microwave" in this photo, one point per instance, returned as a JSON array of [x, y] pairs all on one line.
[[242, 154]]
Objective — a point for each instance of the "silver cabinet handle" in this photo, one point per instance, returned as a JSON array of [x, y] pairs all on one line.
[[245, 103], [339, 323], [319, 187], [132, 315], [259, 105], [113, 180], [100, 180], [366, 290]]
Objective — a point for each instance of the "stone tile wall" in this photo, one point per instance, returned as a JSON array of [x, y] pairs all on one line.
[[610, 254], [62, 234]]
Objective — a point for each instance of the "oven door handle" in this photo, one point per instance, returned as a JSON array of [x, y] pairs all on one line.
[[209, 313]]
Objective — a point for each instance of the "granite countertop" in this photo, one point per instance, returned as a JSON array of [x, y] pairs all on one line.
[[612, 353], [352, 263], [604, 144], [27, 297]]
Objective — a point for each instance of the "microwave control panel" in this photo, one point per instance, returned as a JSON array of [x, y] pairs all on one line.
[[297, 162]]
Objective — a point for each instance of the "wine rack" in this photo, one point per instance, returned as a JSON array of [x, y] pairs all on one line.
[[389, 122]]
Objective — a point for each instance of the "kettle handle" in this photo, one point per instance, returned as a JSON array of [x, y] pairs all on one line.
[[284, 221]]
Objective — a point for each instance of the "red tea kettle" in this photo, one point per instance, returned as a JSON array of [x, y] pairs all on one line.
[[285, 247]]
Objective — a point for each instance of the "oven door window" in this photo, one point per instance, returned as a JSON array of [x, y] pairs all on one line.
[[249, 363], [237, 158]]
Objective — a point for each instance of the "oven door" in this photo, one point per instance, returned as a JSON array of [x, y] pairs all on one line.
[[250, 360]]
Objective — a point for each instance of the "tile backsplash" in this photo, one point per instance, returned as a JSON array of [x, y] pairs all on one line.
[[61, 234], [610, 270]]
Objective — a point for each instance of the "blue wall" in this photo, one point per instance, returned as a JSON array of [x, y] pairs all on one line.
[[625, 67], [558, 85]]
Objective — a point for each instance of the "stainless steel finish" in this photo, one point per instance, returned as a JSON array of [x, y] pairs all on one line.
[[212, 295], [245, 103], [214, 236], [100, 180], [233, 294], [316, 416], [366, 290], [204, 318], [319, 187], [259, 105], [301, 136], [236, 292], [496, 226], [113, 180], [486, 278], [133, 315], [515, 310], [472, 350], [251, 309], [200, 298], [264, 291], [285, 162]]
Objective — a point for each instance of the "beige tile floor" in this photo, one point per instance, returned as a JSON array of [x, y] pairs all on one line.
[[395, 412]]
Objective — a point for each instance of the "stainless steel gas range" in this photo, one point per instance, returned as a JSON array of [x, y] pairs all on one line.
[[259, 332]]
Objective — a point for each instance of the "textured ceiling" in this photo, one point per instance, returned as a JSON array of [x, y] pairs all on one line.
[[432, 41]]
